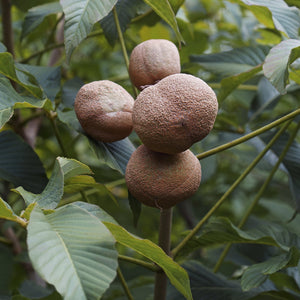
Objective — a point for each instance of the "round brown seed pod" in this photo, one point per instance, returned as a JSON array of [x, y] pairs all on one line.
[[175, 113], [153, 60], [104, 110], [162, 180]]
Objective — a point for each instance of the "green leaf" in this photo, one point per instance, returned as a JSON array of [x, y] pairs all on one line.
[[6, 270], [207, 285], [290, 162], [165, 11], [75, 246], [2, 48], [232, 62], [80, 16], [115, 154], [10, 99], [274, 14], [7, 213], [126, 11], [95, 210], [277, 62], [177, 275], [47, 77], [19, 164], [136, 208], [63, 169], [25, 214], [36, 15], [256, 274], [221, 230], [229, 84], [72, 167], [24, 79], [5, 114]]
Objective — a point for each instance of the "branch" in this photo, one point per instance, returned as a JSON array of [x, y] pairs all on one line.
[[250, 135]]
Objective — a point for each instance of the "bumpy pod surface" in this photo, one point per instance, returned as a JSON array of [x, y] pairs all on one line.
[[175, 113], [104, 110], [153, 60], [162, 180]]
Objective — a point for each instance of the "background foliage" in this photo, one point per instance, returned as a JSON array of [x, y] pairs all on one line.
[[68, 225]]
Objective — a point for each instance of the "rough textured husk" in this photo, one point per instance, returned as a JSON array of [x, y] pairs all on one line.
[[153, 60], [162, 180], [104, 110], [175, 113]]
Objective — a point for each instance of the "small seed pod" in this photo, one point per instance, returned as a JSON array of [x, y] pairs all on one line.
[[104, 110], [161, 180], [175, 113], [153, 60]]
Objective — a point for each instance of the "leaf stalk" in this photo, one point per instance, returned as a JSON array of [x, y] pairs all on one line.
[[249, 135]]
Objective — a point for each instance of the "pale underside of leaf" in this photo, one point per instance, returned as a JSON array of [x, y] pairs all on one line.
[[81, 15], [72, 245]]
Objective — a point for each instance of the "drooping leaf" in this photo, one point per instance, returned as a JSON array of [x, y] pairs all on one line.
[[72, 167], [136, 208], [222, 231], [266, 97], [126, 11], [10, 99], [274, 14], [256, 274], [95, 211], [23, 78], [37, 14], [229, 84], [177, 275], [19, 164], [6, 271], [80, 16], [115, 154], [165, 11], [277, 63], [69, 91], [206, 285], [290, 162], [74, 245], [232, 62], [47, 77], [63, 169], [7, 213]]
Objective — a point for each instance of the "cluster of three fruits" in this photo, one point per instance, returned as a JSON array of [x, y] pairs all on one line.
[[172, 112]]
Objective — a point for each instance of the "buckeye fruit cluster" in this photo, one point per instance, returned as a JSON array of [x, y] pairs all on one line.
[[172, 112]]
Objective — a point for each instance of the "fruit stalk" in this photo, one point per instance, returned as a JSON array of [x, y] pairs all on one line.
[[123, 46], [164, 239]]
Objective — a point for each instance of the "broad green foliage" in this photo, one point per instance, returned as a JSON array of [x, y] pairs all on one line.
[[7, 213], [19, 164], [71, 245], [63, 170], [80, 18], [65, 212], [176, 274], [278, 61], [37, 14]]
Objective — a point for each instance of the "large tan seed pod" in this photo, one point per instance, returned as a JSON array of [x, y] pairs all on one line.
[[175, 113], [153, 60], [104, 110], [162, 180]]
